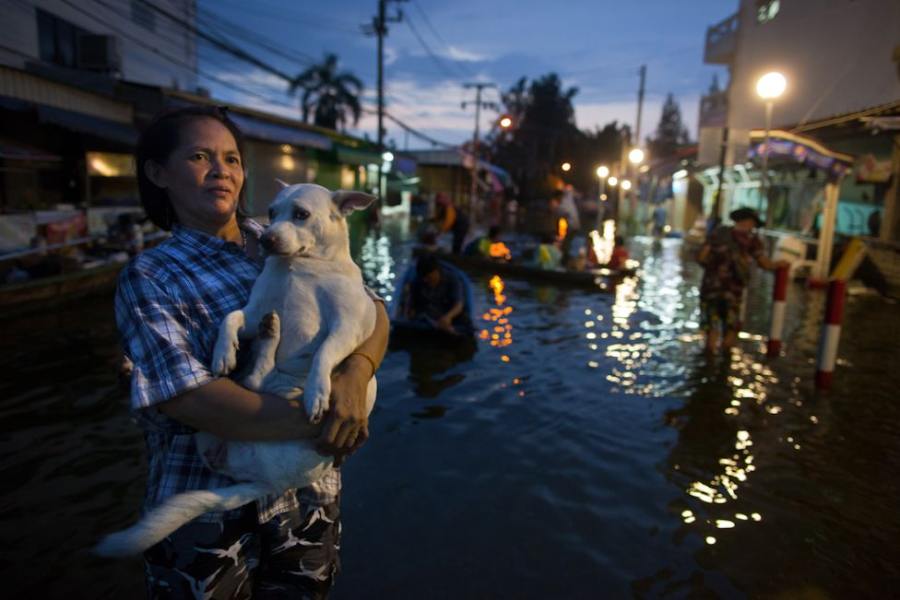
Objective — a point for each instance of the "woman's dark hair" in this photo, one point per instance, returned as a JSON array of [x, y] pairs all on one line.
[[157, 142]]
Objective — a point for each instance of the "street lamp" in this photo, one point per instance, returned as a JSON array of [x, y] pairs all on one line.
[[505, 122], [769, 87], [602, 174], [626, 185], [566, 166], [613, 181], [636, 156]]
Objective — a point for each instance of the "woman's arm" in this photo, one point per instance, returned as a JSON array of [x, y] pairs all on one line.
[[346, 424], [229, 411]]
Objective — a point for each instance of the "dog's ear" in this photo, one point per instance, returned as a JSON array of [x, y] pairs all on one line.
[[347, 200], [283, 184]]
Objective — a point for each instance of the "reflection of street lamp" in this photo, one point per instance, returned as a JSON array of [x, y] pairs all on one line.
[[769, 87], [602, 174]]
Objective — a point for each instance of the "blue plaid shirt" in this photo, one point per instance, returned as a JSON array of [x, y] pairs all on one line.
[[169, 304]]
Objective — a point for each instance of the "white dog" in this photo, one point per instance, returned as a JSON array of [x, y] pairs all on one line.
[[313, 311]]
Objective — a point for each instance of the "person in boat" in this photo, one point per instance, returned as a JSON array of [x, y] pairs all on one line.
[[481, 246], [619, 256], [548, 255], [450, 219], [436, 297], [169, 304], [727, 257]]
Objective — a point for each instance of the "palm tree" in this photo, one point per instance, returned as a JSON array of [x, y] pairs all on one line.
[[328, 94]]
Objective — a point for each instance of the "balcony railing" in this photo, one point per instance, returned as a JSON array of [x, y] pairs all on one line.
[[721, 41]]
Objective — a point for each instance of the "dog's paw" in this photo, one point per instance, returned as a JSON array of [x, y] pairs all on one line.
[[224, 358], [316, 401], [270, 326]]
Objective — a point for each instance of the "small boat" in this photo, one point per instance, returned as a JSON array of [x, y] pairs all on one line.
[[600, 278], [404, 330]]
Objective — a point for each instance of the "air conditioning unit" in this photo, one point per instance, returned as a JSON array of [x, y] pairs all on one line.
[[99, 53]]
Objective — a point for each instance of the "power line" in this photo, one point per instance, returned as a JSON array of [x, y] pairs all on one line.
[[437, 35], [173, 60], [227, 47], [437, 60]]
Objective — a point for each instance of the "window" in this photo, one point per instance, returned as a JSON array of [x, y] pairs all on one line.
[[766, 10], [143, 15], [58, 39]]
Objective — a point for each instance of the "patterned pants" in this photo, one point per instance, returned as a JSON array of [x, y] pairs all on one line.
[[294, 555], [719, 314]]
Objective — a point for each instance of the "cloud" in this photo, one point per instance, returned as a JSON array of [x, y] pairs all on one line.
[[464, 55]]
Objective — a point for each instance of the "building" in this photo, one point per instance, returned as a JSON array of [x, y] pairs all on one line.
[[78, 81], [836, 122]]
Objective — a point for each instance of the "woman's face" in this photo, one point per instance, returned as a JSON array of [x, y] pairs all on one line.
[[203, 176]]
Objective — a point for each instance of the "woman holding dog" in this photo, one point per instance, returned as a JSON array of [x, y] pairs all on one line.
[[169, 304]]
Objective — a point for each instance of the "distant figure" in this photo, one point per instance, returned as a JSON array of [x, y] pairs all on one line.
[[481, 246], [659, 220], [436, 296], [569, 209], [549, 256], [619, 256], [726, 257], [450, 218]]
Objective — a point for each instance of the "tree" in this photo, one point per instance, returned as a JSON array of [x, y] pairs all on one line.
[[670, 133], [544, 135], [331, 96]]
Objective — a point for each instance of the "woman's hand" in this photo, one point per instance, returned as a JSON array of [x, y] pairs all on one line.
[[346, 425]]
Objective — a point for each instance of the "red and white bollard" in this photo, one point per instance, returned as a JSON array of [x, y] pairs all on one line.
[[831, 333], [779, 302]]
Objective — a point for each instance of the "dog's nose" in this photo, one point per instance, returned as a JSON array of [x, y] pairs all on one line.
[[267, 241]]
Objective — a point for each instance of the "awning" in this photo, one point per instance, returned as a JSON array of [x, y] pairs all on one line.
[[280, 134], [95, 126], [799, 149], [14, 151]]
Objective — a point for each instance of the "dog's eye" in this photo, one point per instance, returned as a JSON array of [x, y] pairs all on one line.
[[301, 214]]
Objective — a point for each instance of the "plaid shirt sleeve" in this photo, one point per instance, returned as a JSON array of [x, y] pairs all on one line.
[[154, 326]]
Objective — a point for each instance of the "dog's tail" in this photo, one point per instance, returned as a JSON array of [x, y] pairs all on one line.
[[175, 512]]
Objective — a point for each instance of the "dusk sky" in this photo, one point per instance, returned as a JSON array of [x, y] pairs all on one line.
[[593, 45]]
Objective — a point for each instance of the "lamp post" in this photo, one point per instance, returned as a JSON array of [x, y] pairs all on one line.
[[635, 157], [769, 87], [602, 174]]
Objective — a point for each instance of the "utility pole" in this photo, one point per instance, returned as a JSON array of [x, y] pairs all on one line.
[[478, 106], [379, 28], [637, 125]]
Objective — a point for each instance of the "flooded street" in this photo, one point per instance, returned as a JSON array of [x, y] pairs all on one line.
[[589, 450]]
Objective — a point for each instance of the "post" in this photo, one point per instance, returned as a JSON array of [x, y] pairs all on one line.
[[779, 303], [601, 189], [717, 201], [826, 233], [764, 183], [380, 31], [473, 190], [831, 333]]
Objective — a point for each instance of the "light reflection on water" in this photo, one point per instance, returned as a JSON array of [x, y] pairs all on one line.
[[605, 453]]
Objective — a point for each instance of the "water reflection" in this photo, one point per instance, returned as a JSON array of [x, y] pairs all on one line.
[[499, 330]]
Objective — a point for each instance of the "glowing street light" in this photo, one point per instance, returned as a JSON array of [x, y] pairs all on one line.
[[387, 156], [636, 156], [602, 172], [566, 166], [505, 122], [626, 185], [613, 181], [769, 87]]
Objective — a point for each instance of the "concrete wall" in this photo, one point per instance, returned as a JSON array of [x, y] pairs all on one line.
[[173, 64], [835, 54]]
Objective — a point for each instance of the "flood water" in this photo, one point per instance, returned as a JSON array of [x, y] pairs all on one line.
[[589, 451]]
